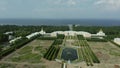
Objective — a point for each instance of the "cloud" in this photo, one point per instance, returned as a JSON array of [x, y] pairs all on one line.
[[3, 5], [71, 2], [108, 4], [66, 2], [39, 10], [3, 8]]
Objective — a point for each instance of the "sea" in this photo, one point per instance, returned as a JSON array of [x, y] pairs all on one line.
[[57, 22]]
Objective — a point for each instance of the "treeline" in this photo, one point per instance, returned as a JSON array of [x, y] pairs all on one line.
[[50, 29], [111, 37], [25, 30], [3, 38], [109, 30]]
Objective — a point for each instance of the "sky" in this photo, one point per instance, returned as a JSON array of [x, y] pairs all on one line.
[[60, 9]]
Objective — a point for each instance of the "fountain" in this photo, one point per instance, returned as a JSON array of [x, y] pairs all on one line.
[[69, 62]]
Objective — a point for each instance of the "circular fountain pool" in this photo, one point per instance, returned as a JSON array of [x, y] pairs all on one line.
[[69, 54]]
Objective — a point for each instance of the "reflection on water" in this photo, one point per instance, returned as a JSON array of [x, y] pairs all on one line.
[[69, 54]]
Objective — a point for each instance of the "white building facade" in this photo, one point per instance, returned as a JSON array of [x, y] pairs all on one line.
[[117, 41], [100, 33], [15, 39], [71, 33], [67, 33]]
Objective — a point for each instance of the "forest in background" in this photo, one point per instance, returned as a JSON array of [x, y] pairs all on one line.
[[111, 31]]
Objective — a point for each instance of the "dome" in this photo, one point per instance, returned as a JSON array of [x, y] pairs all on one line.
[[101, 33], [42, 31]]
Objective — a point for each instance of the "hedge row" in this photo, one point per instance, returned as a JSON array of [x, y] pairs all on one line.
[[87, 52], [115, 43], [80, 37], [47, 38], [60, 36], [96, 40], [112, 42], [57, 42], [52, 53], [53, 50], [18, 44]]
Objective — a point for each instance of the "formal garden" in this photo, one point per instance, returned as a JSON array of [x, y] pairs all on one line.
[[30, 53]]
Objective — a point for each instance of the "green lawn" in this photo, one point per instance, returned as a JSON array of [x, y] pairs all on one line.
[[2, 65], [33, 58], [31, 53], [26, 49]]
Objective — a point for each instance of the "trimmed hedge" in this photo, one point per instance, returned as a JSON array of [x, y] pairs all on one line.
[[52, 53], [115, 44], [80, 37], [88, 54], [96, 40], [53, 50], [47, 38], [60, 36], [18, 44]]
